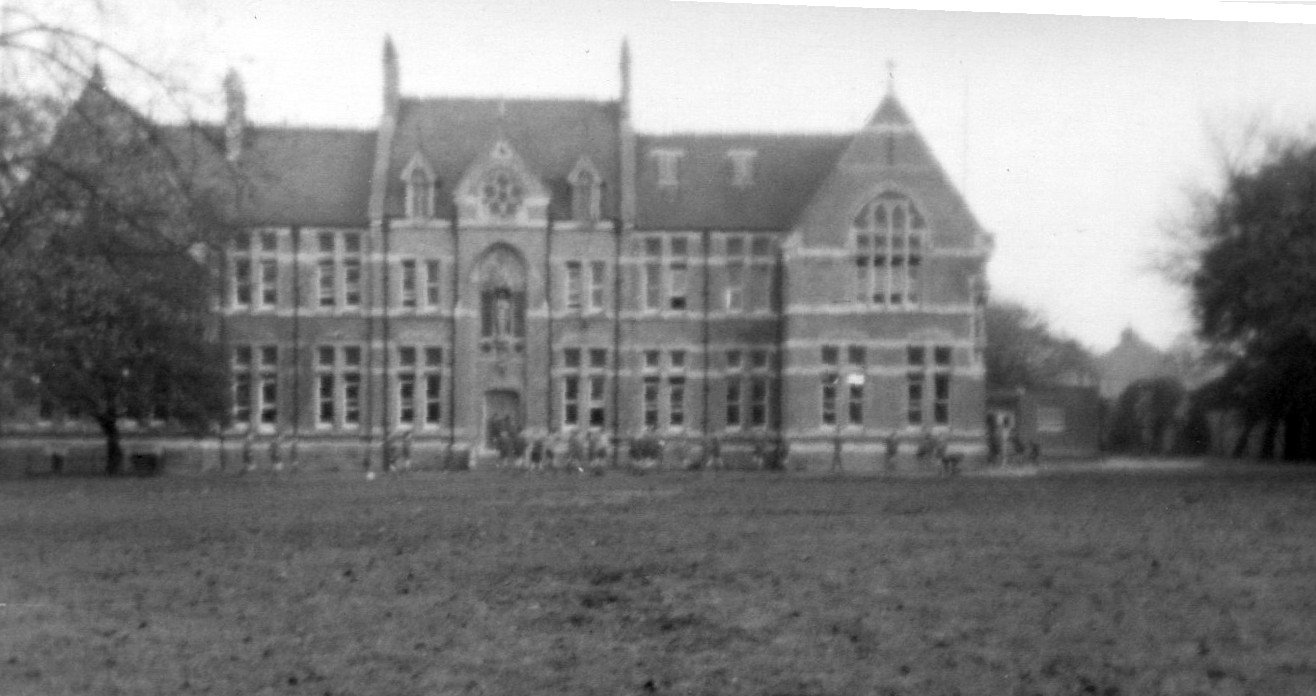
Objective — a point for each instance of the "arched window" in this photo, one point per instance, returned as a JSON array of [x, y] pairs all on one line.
[[420, 194], [502, 194], [888, 242]]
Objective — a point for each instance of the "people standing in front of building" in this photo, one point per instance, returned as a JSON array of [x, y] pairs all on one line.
[[406, 450], [892, 450], [276, 452], [713, 453], [837, 466], [248, 452]]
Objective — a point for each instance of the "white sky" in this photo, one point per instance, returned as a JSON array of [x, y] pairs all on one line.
[[1073, 137]]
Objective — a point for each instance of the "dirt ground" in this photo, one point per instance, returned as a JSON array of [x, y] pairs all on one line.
[[1085, 582]]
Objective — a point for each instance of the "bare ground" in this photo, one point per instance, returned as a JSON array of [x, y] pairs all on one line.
[[1091, 582]]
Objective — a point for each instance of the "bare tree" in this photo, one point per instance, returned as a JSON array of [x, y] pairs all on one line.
[[107, 222]]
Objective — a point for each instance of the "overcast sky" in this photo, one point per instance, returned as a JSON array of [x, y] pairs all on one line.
[[1074, 138]]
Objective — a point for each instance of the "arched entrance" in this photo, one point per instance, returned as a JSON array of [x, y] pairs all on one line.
[[502, 415]]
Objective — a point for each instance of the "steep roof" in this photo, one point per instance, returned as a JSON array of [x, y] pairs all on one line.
[[888, 149], [551, 135], [787, 169], [293, 175]]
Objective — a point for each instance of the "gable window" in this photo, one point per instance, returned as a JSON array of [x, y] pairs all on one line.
[[420, 194], [742, 167], [502, 194], [585, 189], [667, 162], [888, 238], [419, 180]]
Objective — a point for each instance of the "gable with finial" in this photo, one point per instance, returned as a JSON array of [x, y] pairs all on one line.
[[500, 190]]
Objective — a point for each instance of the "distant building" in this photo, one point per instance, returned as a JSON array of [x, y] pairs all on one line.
[[1131, 360], [476, 265]]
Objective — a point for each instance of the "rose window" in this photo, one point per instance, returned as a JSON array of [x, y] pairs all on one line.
[[501, 195]]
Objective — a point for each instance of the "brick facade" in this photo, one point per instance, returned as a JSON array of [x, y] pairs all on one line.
[[538, 262]]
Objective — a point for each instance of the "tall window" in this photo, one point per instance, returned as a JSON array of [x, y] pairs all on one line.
[[748, 385], [254, 266], [652, 386], [432, 284], [575, 285], [256, 385], [922, 372], [409, 282], [664, 393], [417, 386], [351, 386], [676, 389], [432, 377], [888, 234], [653, 273], [338, 269], [326, 387], [338, 386], [598, 271], [405, 386], [351, 269], [831, 379], [855, 357], [735, 281], [584, 387], [666, 273], [242, 392]]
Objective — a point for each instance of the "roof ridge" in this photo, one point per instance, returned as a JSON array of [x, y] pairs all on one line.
[[576, 99], [746, 134]]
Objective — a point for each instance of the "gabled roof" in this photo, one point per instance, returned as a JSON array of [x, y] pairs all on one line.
[[787, 169], [551, 135], [887, 151], [293, 175]]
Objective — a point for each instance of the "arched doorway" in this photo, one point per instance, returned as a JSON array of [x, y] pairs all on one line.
[[502, 415]]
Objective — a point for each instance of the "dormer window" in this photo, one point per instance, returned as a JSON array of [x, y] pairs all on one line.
[[742, 167], [585, 185], [419, 180], [667, 161]]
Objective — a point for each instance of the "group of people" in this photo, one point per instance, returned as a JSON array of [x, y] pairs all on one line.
[[578, 451], [397, 454], [933, 448], [278, 445]]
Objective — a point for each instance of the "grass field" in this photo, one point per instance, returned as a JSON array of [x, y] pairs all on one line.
[[499, 583]]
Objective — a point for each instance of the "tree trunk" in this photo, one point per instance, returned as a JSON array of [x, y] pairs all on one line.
[[113, 449], [1294, 436], [1268, 438], [1240, 445]]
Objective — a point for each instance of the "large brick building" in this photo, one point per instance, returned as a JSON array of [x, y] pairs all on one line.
[[538, 263]]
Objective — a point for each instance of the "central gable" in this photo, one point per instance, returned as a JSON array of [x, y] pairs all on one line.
[[500, 190]]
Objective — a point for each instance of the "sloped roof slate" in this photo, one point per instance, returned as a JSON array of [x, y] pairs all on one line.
[[787, 169], [294, 175], [551, 135]]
